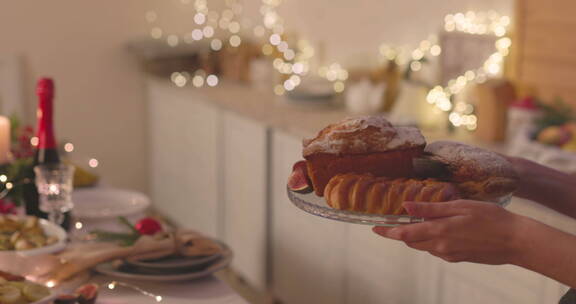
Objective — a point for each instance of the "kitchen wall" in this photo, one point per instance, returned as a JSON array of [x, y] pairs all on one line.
[[100, 93]]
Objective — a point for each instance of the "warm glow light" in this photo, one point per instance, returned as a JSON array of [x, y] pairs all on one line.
[[9, 185], [93, 163], [235, 41], [223, 23], [417, 54], [234, 27], [158, 298], [3, 178], [212, 80], [111, 286], [267, 49], [198, 81], [172, 40], [415, 66], [68, 147], [208, 31], [289, 55], [289, 85], [283, 46], [180, 80], [34, 141], [50, 284], [156, 33], [275, 39], [338, 87], [197, 34], [435, 50], [199, 18], [78, 225], [216, 44], [279, 90]]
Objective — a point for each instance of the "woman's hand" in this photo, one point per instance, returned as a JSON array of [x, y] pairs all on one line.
[[464, 230]]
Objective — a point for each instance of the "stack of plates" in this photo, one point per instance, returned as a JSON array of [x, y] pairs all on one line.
[[172, 268], [100, 207]]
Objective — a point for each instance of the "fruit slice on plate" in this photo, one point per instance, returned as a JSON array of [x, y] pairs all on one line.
[[35, 292], [87, 294], [10, 294], [298, 180]]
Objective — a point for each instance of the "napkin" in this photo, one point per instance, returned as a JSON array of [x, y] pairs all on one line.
[[80, 257]]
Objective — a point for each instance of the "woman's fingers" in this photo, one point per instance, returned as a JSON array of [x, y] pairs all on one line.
[[436, 210], [413, 232]]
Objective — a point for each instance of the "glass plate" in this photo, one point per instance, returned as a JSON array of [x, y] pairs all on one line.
[[316, 205]]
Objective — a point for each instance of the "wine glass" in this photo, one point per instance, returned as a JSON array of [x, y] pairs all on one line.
[[55, 185]]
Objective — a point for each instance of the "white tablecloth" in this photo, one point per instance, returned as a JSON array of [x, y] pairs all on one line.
[[209, 290]]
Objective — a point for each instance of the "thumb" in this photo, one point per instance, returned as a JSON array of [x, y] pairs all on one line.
[[434, 210]]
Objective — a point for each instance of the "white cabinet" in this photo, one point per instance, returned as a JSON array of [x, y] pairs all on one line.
[[184, 164], [209, 173], [245, 184], [307, 251]]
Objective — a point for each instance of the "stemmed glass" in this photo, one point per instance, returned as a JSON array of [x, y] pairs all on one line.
[[55, 185]]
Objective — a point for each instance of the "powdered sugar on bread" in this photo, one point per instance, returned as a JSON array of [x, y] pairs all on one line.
[[471, 163], [364, 134]]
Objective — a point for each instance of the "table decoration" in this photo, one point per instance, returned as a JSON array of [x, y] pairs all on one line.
[[143, 241]]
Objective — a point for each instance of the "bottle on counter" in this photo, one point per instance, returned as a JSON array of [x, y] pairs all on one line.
[[46, 150]]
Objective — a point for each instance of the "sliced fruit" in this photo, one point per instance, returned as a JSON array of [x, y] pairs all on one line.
[[11, 277], [298, 180], [35, 292], [87, 293], [10, 294]]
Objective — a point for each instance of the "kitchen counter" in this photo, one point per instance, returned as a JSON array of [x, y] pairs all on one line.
[[278, 112]]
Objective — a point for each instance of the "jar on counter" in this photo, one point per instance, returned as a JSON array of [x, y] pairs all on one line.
[[521, 118]]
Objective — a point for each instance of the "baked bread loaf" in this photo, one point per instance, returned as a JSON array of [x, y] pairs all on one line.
[[478, 173], [368, 144], [381, 195]]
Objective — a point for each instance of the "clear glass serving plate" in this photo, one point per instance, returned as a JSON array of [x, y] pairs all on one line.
[[316, 205]]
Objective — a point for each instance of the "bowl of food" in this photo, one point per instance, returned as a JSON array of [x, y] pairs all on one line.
[[27, 236], [361, 170], [16, 289]]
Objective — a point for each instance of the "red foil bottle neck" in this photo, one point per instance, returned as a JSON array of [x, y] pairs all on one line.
[[45, 92]]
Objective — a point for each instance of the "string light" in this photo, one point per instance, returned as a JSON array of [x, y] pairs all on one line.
[[113, 284], [216, 44], [212, 80], [294, 61], [93, 163], [68, 147], [207, 22], [491, 23]]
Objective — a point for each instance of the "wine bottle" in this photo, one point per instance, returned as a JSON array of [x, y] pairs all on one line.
[[46, 150]]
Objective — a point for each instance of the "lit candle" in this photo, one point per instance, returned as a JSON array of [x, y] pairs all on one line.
[[4, 139]]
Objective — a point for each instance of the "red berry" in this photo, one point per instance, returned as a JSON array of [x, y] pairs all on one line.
[[148, 226]]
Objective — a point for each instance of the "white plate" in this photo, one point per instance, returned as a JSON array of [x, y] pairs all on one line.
[[108, 269], [106, 202]]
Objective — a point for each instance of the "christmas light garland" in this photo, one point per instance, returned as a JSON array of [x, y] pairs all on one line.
[[293, 62]]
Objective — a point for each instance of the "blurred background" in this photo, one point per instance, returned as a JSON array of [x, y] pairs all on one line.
[[202, 105]]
